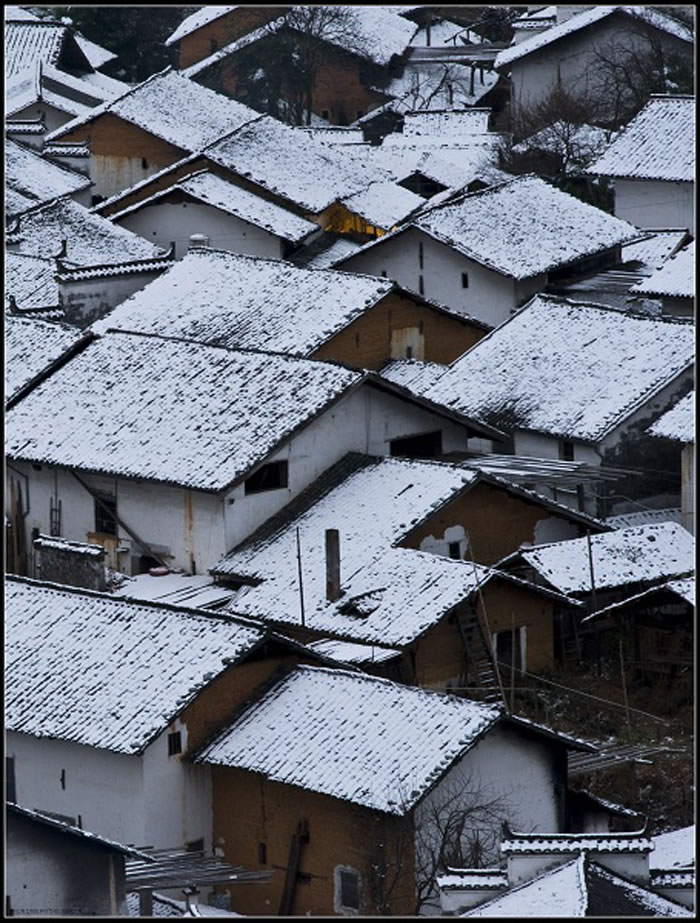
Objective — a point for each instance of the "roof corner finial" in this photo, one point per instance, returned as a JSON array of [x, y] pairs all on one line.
[[13, 305]]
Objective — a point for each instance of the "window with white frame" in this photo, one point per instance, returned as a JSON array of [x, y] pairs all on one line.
[[347, 894]]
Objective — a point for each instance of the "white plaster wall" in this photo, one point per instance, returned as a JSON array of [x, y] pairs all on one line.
[[105, 789], [508, 765], [87, 300], [490, 296], [656, 203], [166, 222], [524, 867]]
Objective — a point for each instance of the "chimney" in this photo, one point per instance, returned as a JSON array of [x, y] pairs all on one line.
[[198, 240], [332, 565]]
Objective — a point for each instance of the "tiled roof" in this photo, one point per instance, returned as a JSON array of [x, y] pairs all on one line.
[[324, 251], [94, 670], [351, 736], [414, 374], [38, 178], [657, 246], [524, 227], [31, 281], [644, 517], [583, 20], [77, 95], [678, 422], [26, 42], [91, 238], [188, 414], [247, 302], [384, 204], [195, 21], [559, 892], [197, 591], [16, 203], [564, 843], [659, 143], [567, 369], [612, 895], [468, 879], [96, 54], [674, 849], [291, 165], [30, 346], [351, 652], [214, 190], [450, 125], [172, 107], [676, 278], [641, 554], [683, 588]]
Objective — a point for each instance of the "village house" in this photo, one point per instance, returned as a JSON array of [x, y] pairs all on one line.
[[219, 214], [577, 381], [212, 27], [579, 875], [32, 180], [673, 283], [407, 765], [244, 302], [652, 165], [136, 437], [150, 126], [57, 869], [584, 53], [678, 425], [485, 253], [355, 52], [102, 688], [97, 264]]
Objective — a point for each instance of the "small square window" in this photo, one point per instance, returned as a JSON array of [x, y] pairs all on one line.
[[144, 163], [409, 352], [105, 514], [325, 113], [262, 853], [348, 890], [174, 743], [465, 280], [453, 551], [566, 451], [270, 477]]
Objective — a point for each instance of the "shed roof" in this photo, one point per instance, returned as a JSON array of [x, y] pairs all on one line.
[[648, 15], [387, 743], [655, 247], [194, 21], [523, 227], [543, 368], [659, 143], [94, 670], [678, 422], [384, 204], [173, 108], [211, 189], [683, 589], [636, 555], [674, 279], [90, 238], [30, 346], [188, 414], [36, 177], [247, 302]]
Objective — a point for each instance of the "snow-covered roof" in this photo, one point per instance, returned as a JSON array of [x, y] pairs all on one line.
[[639, 554], [324, 251], [675, 849], [524, 227], [211, 189], [30, 346], [451, 125], [88, 668], [579, 142], [384, 204], [675, 279], [647, 15], [678, 422], [359, 738], [414, 374], [32, 40], [291, 165], [78, 832], [656, 246], [197, 591], [171, 107], [565, 843], [91, 239], [38, 178], [683, 588], [469, 879], [443, 32], [247, 302], [659, 143], [96, 54], [74, 95], [19, 14], [188, 414], [31, 281], [195, 21], [352, 652], [568, 369]]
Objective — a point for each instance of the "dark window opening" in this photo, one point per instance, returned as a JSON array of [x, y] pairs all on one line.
[[105, 514], [465, 280], [96, 199], [453, 551], [420, 254], [508, 653], [360, 113], [269, 477], [566, 451], [427, 445], [409, 352], [10, 786], [195, 845], [146, 562], [384, 273], [174, 743], [144, 163], [350, 890], [421, 287], [325, 114], [262, 853]]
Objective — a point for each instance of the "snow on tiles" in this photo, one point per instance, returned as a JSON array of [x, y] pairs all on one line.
[[39, 179], [31, 281], [542, 370], [196, 20], [32, 344], [387, 743], [524, 227], [678, 422], [246, 302], [116, 672], [639, 554], [188, 414], [384, 204], [675, 278]]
